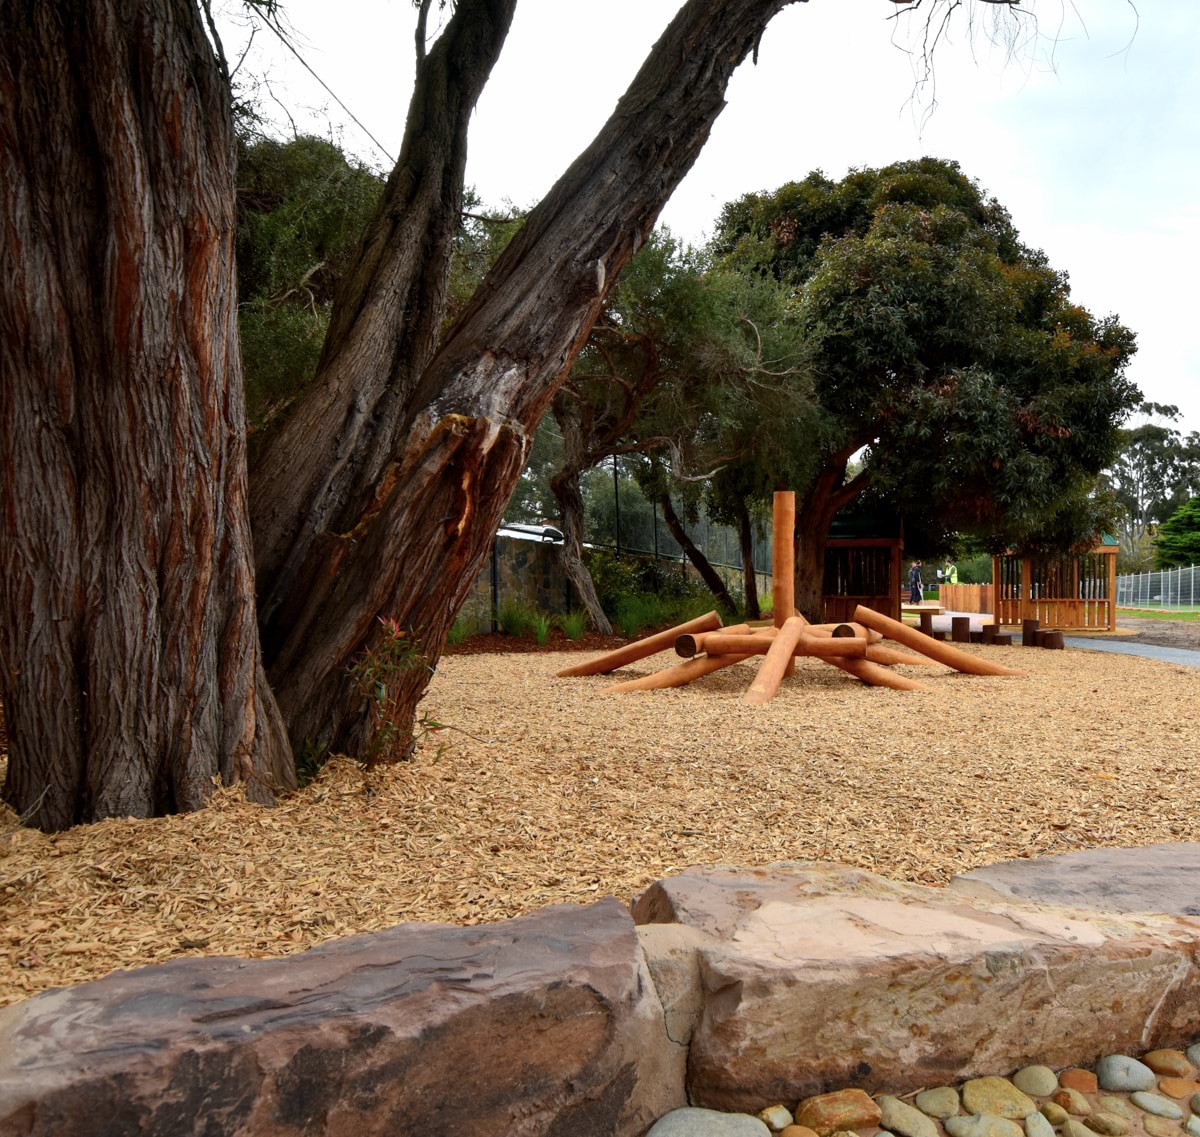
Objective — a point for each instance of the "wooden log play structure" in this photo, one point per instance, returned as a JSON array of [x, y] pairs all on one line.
[[854, 647]]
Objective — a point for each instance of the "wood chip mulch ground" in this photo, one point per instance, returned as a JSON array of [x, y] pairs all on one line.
[[566, 793]]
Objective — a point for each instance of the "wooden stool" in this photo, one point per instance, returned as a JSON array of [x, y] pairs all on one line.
[[1002, 639], [926, 619], [1029, 633], [960, 629], [1050, 638]]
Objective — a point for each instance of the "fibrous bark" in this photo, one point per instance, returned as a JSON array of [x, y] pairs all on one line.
[[131, 673]]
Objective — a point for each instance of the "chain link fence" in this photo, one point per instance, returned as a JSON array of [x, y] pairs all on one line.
[[1172, 589]]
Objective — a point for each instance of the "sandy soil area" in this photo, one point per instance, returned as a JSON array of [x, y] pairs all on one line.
[[1165, 633], [563, 792]]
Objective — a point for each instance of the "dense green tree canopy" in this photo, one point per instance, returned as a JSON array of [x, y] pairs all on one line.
[[986, 400], [1178, 540], [1155, 472]]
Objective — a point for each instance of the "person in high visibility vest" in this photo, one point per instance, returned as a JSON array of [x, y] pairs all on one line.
[[950, 574]]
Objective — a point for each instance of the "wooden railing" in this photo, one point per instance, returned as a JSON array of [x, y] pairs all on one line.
[[1053, 612]]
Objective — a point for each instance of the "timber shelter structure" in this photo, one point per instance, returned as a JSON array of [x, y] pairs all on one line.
[[1069, 591]]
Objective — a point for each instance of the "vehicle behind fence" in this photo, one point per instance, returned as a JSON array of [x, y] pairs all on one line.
[[1176, 589]]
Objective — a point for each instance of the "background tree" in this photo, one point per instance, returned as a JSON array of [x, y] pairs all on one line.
[[302, 205], [983, 401], [1178, 541], [1155, 472]]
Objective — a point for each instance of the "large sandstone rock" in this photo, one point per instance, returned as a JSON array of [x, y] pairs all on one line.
[[816, 977], [1155, 878], [547, 1024]]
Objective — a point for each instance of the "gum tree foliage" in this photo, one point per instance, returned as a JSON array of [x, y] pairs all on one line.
[[1155, 472], [160, 647], [984, 401], [1178, 541]]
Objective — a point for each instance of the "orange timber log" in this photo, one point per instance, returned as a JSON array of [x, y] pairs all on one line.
[[775, 662], [877, 676], [935, 649], [651, 645], [693, 643], [679, 675]]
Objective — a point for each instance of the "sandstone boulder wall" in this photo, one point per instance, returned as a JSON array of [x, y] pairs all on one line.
[[816, 977], [546, 1024]]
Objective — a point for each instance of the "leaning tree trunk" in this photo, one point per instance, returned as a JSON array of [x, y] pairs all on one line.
[[326, 464], [131, 672], [700, 562], [567, 493], [411, 549], [749, 576]]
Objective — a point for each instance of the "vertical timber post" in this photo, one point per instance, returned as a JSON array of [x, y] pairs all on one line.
[[783, 562]]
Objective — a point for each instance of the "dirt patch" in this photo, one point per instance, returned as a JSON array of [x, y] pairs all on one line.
[[1162, 633], [568, 793]]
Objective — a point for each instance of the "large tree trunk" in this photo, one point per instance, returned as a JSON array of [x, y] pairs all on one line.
[[131, 672], [828, 494], [325, 465], [749, 576], [700, 563], [411, 548]]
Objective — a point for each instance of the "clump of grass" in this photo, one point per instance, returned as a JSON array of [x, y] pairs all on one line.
[[541, 628], [637, 612], [460, 629], [574, 623], [516, 618]]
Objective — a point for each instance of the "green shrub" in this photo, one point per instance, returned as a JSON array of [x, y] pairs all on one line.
[[637, 614], [460, 629], [574, 623], [541, 628], [516, 618]]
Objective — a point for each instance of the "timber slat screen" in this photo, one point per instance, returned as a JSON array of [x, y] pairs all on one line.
[[862, 572], [1063, 591]]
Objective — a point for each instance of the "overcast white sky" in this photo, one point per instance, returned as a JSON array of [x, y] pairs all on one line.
[[1089, 136]]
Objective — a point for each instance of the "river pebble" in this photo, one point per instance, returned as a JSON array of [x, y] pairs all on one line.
[[1037, 1081], [1120, 1072], [1157, 1105]]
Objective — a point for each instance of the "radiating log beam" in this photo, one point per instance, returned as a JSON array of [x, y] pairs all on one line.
[[693, 643], [639, 649], [935, 649], [877, 676], [775, 662], [878, 653], [783, 563], [680, 674]]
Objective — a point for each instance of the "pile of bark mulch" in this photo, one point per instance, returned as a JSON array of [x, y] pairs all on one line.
[[553, 790]]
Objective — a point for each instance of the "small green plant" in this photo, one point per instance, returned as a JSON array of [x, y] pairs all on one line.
[[574, 623], [542, 625], [634, 613], [380, 673], [460, 629], [516, 618]]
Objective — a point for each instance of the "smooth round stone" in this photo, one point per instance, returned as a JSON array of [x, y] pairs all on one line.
[[1073, 1128], [775, 1117], [1161, 1127], [941, 1101], [899, 1117], [1173, 1063], [1073, 1102], [1195, 1103], [1178, 1087], [1054, 1113], [1037, 1125], [1193, 1054], [983, 1125], [1192, 1125], [1107, 1124], [998, 1097], [1157, 1105], [692, 1122], [1037, 1081], [1076, 1079], [800, 1131], [1119, 1106], [1124, 1074]]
